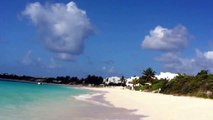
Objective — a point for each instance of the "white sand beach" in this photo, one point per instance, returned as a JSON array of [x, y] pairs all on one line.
[[155, 106]]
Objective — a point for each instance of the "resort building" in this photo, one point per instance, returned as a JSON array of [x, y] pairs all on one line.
[[129, 80], [113, 80]]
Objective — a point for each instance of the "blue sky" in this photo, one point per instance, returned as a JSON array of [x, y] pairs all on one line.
[[105, 37]]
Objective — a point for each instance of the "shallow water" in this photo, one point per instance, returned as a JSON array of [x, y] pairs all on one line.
[[28, 101]]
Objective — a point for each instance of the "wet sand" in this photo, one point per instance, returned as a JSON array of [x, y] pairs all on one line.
[[100, 109]]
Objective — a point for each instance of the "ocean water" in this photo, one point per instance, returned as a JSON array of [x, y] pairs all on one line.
[[29, 101]]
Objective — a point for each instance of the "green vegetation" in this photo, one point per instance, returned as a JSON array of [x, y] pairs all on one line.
[[159, 84], [200, 85], [148, 75]]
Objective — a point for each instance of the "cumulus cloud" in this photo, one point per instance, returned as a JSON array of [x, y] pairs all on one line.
[[63, 27], [209, 55], [166, 75], [171, 42], [176, 63], [65, 57], [164, 39]]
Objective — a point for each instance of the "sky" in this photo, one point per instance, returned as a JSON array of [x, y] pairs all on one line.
[[105, 37]]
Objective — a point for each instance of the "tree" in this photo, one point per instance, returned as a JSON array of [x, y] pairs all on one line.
[[134, 82], [142, 81], [202, 75], [148, 74], [123, 81], [94, 80], [202, 72]]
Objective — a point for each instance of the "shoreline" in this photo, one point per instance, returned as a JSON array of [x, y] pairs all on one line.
[[16, 80], [103, 109], [43, 83], [95, 108], [146, 105], [155, 106]]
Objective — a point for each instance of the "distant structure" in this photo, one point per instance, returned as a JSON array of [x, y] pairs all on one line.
[[166, 75], [112, 80], [129, 81]]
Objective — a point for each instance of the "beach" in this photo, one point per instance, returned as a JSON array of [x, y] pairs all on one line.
[[24, 101], [155, 106], [30, 101]]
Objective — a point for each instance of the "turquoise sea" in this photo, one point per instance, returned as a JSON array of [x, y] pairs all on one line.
[[30, 101]]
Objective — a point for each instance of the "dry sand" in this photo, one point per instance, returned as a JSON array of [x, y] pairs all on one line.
[[155, 106]]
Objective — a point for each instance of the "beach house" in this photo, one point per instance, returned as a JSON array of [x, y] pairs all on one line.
[[112, 80], [129, 81]]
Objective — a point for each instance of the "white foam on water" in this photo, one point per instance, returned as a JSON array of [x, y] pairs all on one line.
[[88, 98]]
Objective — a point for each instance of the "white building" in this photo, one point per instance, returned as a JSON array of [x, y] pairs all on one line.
[[113, 79], [166, 75], [129, 81]]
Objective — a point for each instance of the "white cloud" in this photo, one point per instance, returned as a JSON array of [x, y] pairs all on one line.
[[64, 27], [166, 75], [65, 57], [175, 63], [171, 42], [209, 55], [164, 39]]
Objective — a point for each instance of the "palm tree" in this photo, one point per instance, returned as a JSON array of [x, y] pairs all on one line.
[[134, 82], [148, 74], [123, 81]]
